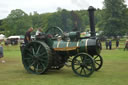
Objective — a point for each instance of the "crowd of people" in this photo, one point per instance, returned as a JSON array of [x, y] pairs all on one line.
[[108, 44]]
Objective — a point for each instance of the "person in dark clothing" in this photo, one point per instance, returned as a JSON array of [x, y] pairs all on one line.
[[126, 45], [106, 43], [2, 54], [110, 44], [27, 38], [117, 43]]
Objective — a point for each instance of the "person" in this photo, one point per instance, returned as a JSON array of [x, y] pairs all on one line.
[[110, 44], [38, 32], [27, 38], [1, 53], [126, 45], [117, 43], [106, 43]]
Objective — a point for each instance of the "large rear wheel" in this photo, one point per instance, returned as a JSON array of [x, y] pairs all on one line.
[[37, 57]]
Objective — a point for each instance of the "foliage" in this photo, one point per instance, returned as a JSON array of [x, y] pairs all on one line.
[[114, 18], [111, 20], [16, 23]]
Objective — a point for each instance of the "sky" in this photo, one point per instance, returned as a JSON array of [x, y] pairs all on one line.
[[44, 6]]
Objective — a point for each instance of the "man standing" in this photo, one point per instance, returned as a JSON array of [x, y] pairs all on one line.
[[117, 43], [110, 44], [27, 38], [126, 45], [106, 43]]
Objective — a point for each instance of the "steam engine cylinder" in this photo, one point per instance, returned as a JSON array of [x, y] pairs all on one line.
[[70, 48]]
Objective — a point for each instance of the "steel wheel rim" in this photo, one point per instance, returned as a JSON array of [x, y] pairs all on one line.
[[55, 30], [98, 62], [83, 65], [35, 58]]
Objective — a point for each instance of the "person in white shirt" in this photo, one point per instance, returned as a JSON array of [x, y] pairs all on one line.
[[38, 32]]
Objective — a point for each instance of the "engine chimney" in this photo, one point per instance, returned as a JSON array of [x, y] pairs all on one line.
[[91, 10]]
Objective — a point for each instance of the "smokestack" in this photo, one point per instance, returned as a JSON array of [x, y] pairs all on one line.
[[91, 10]]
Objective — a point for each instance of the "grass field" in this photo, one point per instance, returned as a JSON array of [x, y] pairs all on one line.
[[113, 72]]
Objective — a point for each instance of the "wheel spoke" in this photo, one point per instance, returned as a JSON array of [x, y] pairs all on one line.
[[42, 54], [38, 49], [87, 68], [96, 57], [43, 65], [81, 70], [77, 62], [84, 59], [77, 68], [97, 63], [97, 60], [32, 63], [84, 71], [33, 51], [81, 57], [27, 58], [37, 68], [44, 61], [29, 54]]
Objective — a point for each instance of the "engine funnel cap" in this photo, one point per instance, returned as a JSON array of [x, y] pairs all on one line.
[[91, 8]]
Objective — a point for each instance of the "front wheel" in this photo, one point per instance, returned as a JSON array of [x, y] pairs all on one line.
[[83, 65]]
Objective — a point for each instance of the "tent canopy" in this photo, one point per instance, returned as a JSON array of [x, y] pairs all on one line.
[[16, 36]]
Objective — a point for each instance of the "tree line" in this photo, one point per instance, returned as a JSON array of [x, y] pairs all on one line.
[[111, 20]]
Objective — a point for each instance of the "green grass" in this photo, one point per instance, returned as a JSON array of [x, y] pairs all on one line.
[[113, 72]]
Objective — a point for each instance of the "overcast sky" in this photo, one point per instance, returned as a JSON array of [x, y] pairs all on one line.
[[43, 6]]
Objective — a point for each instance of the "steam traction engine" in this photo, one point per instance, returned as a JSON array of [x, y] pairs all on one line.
[[53, 49]]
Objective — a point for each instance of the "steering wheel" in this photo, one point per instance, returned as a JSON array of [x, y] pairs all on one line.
[[55, 32]]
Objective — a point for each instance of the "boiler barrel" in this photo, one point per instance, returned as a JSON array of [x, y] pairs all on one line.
[[70, 48]]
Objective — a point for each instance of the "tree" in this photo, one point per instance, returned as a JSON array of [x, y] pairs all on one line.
[[76, 21], [36, 20], [62, 19], [16, 23], [66, 20], [54, 20], [113, 17]]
